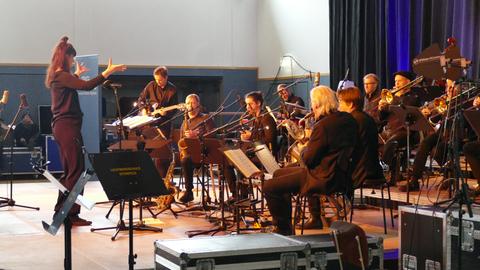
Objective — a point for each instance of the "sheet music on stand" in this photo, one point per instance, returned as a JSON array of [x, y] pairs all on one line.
[[266, 158], [241, 162]]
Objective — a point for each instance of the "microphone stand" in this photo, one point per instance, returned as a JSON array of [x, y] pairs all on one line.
[[10, 201]]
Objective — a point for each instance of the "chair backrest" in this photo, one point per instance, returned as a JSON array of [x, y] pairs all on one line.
[[349, 247]]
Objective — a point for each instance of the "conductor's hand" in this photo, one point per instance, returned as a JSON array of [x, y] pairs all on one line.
[[80, 68], [111, 68]]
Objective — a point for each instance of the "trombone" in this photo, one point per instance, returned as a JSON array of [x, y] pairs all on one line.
[[387, 96]]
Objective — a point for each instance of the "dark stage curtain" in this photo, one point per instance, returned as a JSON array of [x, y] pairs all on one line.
[[383, 36]]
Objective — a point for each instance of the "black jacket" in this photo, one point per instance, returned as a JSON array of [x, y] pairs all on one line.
[[164, 97], [367, 164], [328, 153]]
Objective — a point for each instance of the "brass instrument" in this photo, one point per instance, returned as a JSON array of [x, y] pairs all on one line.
[[470, 94], [182, 146], [294, 131], [387, 96], [165, 201]]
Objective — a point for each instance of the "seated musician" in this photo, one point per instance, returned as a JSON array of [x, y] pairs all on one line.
[[287, 96], [26, 133], [395, 132], [287, 112], [157, 94], [433, 144], [472, 153], [326, 158], [193, 126], [367, 167], [263, 126], [372, 95]]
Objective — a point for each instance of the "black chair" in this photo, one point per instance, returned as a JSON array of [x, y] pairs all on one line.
[[382, 184]]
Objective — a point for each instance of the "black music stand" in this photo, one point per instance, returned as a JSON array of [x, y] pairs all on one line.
[[128, 176], [414, 121], [207, 151]]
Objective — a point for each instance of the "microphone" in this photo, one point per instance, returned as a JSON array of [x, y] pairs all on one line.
[[23, 101], [111, 85], [5, 96], [308, 115]]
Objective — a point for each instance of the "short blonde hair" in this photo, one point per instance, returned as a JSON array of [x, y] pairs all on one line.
[[324, 97]]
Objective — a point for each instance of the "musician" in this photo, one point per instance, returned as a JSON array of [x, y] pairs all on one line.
[[263, 126], [158, 94], [433, 144], [372, 94], [367, 167], [26, 132], [67, 115], [286, 95], [326, 158], [195, 125], [395, 133]]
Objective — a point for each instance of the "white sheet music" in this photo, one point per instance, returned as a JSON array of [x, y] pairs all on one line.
[[266, 158], [241, 162], [135, 121]]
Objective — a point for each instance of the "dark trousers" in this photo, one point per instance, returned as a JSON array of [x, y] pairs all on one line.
[[69, 139], [428, 146], [278, 190], [472, 154], [188, 167]]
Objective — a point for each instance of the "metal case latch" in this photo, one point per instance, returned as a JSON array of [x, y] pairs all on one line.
[[288, 261]]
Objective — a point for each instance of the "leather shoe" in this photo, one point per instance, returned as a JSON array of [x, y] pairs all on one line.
[[286, 231], [186, 197], [78, 221], [312, 223], [413, 185]]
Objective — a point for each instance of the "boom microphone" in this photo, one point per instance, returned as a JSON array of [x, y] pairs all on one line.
[[111, 85], [23, 101], [5, 96]]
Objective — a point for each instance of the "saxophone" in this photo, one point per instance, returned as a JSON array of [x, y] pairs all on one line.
[[165, 201]]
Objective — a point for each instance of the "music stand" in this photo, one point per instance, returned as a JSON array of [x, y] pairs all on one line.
[[62, 215], [128, 176], [207, 151], [414, 120]]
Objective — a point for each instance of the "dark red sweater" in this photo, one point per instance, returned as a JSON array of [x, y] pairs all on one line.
[[64, 96]]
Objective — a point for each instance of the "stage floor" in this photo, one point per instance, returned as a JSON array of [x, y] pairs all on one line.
[[25, 245]]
